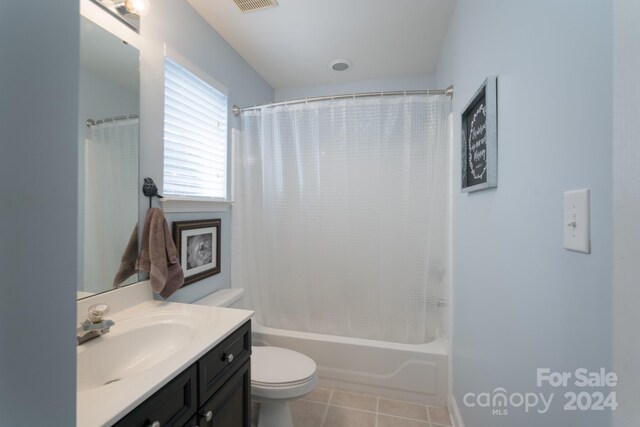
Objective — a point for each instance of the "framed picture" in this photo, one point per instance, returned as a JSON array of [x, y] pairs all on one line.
[[198, 245], [480, 139]]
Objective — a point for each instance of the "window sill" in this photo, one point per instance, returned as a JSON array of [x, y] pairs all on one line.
[[194, 204]]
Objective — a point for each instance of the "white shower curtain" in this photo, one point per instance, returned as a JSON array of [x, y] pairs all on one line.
[[110, 200], [340, 225]]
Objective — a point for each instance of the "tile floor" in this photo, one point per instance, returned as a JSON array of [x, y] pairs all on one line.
[[335, 408]]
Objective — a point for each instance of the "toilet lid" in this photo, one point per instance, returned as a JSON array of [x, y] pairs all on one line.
[[275, 365]]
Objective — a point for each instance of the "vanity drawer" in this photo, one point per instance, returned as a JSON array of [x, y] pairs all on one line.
[[173, 405], [231, 405], [217, 366]]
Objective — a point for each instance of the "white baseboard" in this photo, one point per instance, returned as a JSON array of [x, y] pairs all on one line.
[[454, 411]]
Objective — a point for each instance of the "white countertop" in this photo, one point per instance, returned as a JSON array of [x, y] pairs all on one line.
[[103, 406]]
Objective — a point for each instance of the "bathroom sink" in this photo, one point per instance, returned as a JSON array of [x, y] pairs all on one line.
[[133, 346]]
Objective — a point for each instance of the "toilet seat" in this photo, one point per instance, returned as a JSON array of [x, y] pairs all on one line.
[[279, 373]]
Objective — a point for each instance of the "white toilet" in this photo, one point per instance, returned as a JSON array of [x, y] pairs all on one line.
[[278, 375]]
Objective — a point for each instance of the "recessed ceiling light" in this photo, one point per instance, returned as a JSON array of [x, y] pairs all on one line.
[[340, 65]]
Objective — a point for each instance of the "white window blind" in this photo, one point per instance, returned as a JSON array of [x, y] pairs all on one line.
[[195, 135]]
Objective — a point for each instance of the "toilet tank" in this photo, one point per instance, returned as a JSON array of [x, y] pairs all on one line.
[[232, 298]]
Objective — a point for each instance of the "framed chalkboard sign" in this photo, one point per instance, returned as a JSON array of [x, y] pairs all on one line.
[[480, 139]]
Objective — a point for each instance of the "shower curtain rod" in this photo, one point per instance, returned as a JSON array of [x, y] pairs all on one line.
[[448, 92], [91, 122]]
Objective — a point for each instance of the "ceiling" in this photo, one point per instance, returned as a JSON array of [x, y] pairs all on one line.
[[292, 44]]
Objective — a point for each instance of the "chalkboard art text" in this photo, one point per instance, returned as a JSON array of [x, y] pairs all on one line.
[[478, 143]]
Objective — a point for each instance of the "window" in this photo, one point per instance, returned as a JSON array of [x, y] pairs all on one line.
[[195, 135]]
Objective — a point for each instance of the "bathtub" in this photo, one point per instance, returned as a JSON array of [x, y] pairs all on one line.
[[410, 372]]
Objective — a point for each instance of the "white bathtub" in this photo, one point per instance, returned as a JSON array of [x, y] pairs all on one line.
[[415, 373]]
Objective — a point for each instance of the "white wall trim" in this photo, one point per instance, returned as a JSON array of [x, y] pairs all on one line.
[[454, 411], [175, 56], [450, 268], [187, 204]]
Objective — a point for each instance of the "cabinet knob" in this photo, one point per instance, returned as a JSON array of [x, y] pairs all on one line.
[[228, 357], [154, 424], [208, 416]]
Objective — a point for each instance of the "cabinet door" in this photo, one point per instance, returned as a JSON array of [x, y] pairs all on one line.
[[193, 422], [231, 405], [217, 366], [173, 405]]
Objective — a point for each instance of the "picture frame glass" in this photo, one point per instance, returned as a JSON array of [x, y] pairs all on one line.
[[198, 250], [476, 143]]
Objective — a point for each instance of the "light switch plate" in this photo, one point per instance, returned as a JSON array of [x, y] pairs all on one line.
[[577, 227]]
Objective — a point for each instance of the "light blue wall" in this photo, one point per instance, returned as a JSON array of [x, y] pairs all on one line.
[[626, 205], [39, 47], [520, 301], [425, 81], [184, 31]]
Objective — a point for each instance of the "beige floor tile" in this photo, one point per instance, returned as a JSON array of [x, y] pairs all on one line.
[[439, 416], [344, 417], [307, 414], [388, 421], [354, 400], [403, 409], [319, 394]]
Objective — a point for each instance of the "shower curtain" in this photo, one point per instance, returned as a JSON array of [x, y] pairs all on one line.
[[110, 200], [340, 222]]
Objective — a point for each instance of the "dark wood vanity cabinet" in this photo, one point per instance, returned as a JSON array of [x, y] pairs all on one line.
[[213, 392], [224, 382], [173, 405], [230, 406]]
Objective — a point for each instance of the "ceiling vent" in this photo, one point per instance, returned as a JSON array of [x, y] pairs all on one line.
[[253, 5]]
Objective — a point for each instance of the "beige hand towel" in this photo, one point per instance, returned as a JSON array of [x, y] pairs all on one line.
[[159, 256], [128, 260]]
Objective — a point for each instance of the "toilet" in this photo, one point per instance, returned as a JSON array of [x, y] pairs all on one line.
[[278, 375]]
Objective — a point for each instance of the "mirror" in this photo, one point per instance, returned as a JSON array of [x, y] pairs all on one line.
[[108, 161]]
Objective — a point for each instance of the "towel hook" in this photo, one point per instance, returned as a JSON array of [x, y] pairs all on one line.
[[150, 190]]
